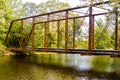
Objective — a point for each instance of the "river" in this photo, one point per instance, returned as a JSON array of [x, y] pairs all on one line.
[[59, 67]]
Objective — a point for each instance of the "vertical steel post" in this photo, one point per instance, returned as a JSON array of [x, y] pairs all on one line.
[[91, 30], [116, 31], [45, 35], [46, 40], [74, 33], [33, 33], [66, 30], [47, 31], [58, 33], [21, 34]]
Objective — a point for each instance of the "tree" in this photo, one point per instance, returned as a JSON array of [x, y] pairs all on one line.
[[30, 9], [8, 11], [5, 17]]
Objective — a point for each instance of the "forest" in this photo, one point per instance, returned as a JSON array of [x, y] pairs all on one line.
[[15, 9]]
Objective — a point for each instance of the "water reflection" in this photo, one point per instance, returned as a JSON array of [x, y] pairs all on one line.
[[97, 63], [59, 67]]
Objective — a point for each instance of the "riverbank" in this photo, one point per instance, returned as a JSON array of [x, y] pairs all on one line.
[[3, 51]]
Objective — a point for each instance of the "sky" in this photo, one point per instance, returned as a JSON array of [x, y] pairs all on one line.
[[73, 3]]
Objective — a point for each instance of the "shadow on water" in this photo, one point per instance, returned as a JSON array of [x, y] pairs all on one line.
[[59, 67]]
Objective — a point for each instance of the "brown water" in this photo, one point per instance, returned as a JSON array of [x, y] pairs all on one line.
[[59, 67]]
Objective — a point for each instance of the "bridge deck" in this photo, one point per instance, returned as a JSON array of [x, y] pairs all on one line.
[[69, 51]]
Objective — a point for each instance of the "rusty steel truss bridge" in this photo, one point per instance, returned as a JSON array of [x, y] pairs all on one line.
[[79, 22]]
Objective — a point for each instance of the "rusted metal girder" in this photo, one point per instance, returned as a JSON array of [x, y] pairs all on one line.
[[33, 33], [91, 30], [21, 34], [69, 9], [66, 31], [11, 23], [47, 32], [116, 30], [93, 43], [45, 36], [58, 34], [33, 25], [70, 18], [74, 31]]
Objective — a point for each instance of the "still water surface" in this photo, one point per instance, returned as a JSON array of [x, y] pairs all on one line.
[[59, 67]]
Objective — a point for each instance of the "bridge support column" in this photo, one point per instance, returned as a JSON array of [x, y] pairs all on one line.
[[91, 31]]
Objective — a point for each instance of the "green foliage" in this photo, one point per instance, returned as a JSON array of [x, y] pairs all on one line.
[[8, 8], [30, 9], [52, 5]]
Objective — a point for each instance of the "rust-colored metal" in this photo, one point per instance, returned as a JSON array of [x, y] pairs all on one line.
[[11, 23], [58, 34], [33, 25], [91, 30], [69, 9], [45, 35], [116, 31], [66, 31], [70, 18], [49, 17], [21, 34], [74, 33], [33, 33]]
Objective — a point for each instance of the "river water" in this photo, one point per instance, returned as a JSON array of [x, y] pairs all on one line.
[[59, 67]]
